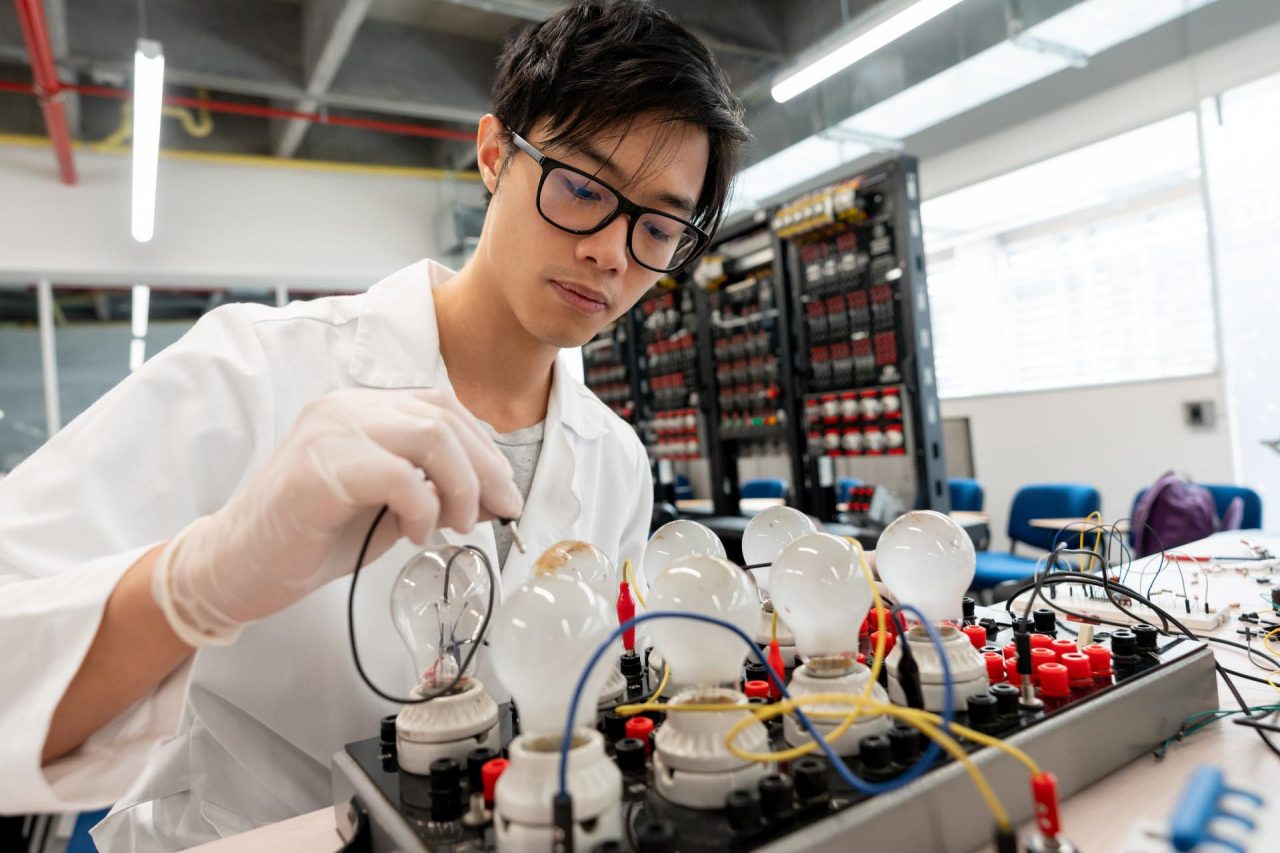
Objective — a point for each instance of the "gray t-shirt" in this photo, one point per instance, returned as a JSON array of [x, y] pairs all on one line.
[[521, 449]]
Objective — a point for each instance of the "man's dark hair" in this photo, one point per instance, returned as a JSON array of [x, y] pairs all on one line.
[[597, 65]]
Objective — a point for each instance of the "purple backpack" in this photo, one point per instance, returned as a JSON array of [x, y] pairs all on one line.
[[1176, 511]]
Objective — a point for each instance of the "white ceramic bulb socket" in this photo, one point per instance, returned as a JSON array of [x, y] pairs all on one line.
[[446, 727], [927, 560], [523, 798], [677, 540], [968, 669], [692, 767], [804, 683], [701, 653]]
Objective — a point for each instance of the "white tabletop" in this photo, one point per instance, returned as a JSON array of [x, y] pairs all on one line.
[[1105, 816]]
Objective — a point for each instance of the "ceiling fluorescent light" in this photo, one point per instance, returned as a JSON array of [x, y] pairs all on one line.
[[141, 308], [148, 95], [863, 41]]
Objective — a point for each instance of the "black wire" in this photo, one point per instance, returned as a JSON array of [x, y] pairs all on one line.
[[1168, 618], [142, 18], [471, 653]]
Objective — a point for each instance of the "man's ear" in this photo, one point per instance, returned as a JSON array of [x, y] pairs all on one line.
[[491, 151]]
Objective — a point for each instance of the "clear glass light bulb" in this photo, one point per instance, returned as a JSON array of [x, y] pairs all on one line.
[[821, 593], [767, 533], [676, 540], [926, 559], [700, 653], [437, 607], [582, 560], [541, 640]]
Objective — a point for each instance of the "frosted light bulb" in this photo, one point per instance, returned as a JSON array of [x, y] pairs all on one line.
[[926, 559], [438, 603], [821, 593], [701, 654], [676, 540], [767, 533], [542, 638], [582, 560]]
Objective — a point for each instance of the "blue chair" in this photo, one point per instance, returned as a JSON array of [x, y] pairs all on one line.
[[765, 487], [684, 490], [81, 841], [844, 485], [1223, 495], [1049, 500], [966, 494]]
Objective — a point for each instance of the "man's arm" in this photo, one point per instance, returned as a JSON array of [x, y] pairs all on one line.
[[132, 652]]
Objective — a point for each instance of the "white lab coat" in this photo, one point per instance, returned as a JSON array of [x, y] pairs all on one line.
[[242, 736]]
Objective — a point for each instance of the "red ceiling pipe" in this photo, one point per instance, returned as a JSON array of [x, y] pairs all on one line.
[[261, 112], [47, 88]]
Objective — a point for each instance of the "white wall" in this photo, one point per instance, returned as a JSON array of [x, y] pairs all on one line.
[[217, 223], [1117, 438]]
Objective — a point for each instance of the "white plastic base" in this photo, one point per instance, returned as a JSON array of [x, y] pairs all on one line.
[[968, 670], [447, 727], [522, 816], [803, 683], [692, 767]]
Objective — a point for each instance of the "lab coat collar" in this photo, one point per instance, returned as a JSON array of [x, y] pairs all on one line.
[[397, 345]]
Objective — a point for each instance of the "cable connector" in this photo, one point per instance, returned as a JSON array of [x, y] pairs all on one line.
[[626, 612], [1044, 792], [779, 669], [562, 824]]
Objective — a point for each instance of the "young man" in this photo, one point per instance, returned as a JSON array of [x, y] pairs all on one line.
[[174, 644]]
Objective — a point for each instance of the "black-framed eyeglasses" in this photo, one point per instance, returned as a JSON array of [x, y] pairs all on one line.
[[580, 203]]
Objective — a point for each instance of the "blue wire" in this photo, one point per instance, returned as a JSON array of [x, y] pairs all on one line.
[[915, 771]]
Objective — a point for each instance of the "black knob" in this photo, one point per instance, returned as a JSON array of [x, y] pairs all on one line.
[[777, 796], [756, 671], [904, 743], [1021, 625], [387, 729], [1147, 636], [966, 609], [992, 626], [757, 700], [631, 665], [609, 847], [875, 752], [446, 790], [629, 753], [743, 806], [983, 713], [810, 777], [1046, 621], [1124, 643], [656, 836], [1006, 696], [476, 760], [985, 649], [615, 726]]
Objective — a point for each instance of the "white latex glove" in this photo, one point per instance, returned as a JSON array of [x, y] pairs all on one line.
[[299, 522]]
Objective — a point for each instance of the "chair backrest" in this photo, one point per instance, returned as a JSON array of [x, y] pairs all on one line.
[[966, 494], [1048, 500], [684, 490], [844, 485], [765, 487], [1251, 518]]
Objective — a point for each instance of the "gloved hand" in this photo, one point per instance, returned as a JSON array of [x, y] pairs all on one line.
[[299, 522]]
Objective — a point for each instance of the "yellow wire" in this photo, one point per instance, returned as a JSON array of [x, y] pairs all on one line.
[[1097, 535], [629, 575], [773, 626], [1266, 643], [910, 715]]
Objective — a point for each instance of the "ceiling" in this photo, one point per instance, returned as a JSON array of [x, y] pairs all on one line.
[[426, 62]]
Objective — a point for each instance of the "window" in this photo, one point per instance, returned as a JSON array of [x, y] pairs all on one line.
[[1086, 269]]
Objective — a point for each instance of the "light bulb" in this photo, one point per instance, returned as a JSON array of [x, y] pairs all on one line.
[[438, 603], [926, 559], [676, 540], [820, 591], [582, 560], [767, 533], [542, 638], [701, 654]]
